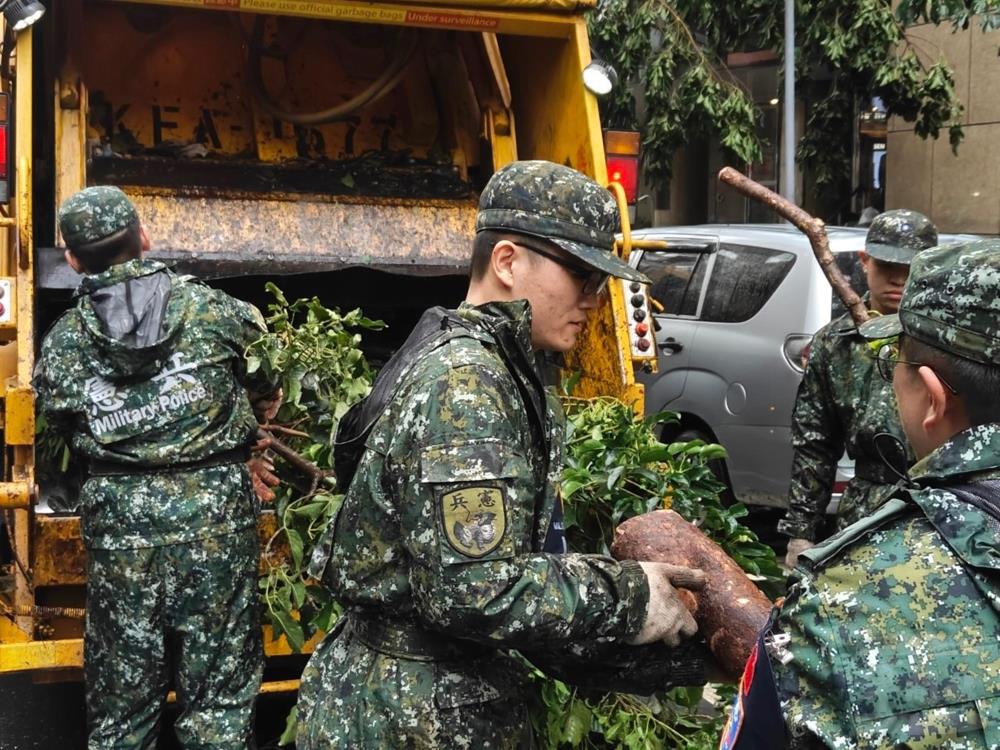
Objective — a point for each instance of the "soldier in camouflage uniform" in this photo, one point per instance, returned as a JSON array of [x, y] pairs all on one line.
[[448, 551], [842, 403], [888, 637], [146, 378]]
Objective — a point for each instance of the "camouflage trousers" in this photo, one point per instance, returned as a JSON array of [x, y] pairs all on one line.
[[182, 611], [353, 697]]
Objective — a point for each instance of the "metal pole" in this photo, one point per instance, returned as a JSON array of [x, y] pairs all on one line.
[[788, 157]]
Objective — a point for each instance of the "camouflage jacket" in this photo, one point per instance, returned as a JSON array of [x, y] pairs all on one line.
[[148, 371], [893, 623], [443, 524], [842, 403]]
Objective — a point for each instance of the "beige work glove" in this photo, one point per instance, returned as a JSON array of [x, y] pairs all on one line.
[[667, 619], [795, 548]]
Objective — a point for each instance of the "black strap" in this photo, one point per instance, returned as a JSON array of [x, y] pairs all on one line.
[[104, 468], [435, 327], [404, 640], [984, 495]]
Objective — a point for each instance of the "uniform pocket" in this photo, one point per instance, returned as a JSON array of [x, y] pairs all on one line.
[[471, 482]]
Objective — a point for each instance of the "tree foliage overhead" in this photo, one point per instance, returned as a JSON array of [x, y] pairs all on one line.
[[669, 54]]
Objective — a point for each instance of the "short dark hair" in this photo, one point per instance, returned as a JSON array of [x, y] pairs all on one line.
[[977, 383], [119, 247], [482, 249]]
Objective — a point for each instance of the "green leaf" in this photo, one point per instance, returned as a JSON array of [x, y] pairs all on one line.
[[291, 728], [296, 546], [291, 630]]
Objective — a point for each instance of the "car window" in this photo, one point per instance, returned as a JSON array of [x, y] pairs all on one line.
[[677, 279], [850, 265], [742, 280]]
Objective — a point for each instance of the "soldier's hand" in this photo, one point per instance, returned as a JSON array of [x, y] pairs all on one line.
[[667, 619], [795, 548], [266, 408], [262, 472]]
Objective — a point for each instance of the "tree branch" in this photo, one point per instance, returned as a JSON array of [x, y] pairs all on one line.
[[812, 227]]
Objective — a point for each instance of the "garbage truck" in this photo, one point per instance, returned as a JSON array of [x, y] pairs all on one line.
[[338, 144]]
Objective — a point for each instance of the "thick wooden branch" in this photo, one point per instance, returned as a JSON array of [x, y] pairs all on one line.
[[811, 227], [311, 470]]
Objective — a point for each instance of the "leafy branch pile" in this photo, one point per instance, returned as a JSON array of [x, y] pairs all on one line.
[[615, 469], [314, 352]]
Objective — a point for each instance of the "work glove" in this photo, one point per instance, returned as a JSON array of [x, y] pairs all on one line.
[[795, 548], [667, 619], [262, 472]]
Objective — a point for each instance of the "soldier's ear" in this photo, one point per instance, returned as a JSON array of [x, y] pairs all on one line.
[[74, 262], [942, 408], [502, 262], [144, 239]]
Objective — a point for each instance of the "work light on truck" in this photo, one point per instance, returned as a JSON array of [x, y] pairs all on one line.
[[599, 78], [21, 14]]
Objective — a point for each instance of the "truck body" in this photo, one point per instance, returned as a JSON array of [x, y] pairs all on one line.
[[314, 139]]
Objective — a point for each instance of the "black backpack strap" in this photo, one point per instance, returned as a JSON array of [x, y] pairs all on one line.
[[983, 495], [435, 327]]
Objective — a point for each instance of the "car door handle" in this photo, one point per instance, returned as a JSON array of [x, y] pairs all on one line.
[[671, 345]]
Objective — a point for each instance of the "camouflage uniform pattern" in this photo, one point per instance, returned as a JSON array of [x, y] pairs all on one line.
[[213, 611], [557, 204], [180, 400], [438, 539], [95, 213], [897, 236], [172, 551], [841, 403], [951, 303], [893, 623]]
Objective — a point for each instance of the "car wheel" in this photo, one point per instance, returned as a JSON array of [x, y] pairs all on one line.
[[717, 466]]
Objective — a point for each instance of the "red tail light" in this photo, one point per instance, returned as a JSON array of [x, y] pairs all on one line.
[[622, 149], [4, 163], [625, 170]]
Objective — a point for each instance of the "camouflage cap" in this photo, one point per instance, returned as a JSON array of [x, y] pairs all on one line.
[[896, 236], [951, 301], [557, 204], [95, 213]]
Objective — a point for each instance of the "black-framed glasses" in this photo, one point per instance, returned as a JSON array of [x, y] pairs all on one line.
[[594, 281], [888, 357]]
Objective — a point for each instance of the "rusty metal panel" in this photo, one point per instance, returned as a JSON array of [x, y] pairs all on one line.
[[19, 416], [60, 559], [34, 655], [232, 236], [58, 555], [15, 495]]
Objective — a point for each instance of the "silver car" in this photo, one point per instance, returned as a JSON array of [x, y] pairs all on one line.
[[740, 304]]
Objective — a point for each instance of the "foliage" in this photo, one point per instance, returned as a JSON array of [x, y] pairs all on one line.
[[315, 353], [669, 56], [615, 468]]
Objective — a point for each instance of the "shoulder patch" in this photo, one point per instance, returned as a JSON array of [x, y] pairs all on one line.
[[474, 519]]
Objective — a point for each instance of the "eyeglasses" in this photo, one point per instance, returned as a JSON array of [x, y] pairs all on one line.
[[888, 357], [594, 281]]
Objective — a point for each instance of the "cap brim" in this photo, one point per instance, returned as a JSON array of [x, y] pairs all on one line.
[[882, 327], [602, 260], [890, 253]]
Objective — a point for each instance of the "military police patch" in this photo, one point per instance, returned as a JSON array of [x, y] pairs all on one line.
[[474, 520]]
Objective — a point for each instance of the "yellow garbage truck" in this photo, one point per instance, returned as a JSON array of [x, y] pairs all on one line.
[[336, 142]]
